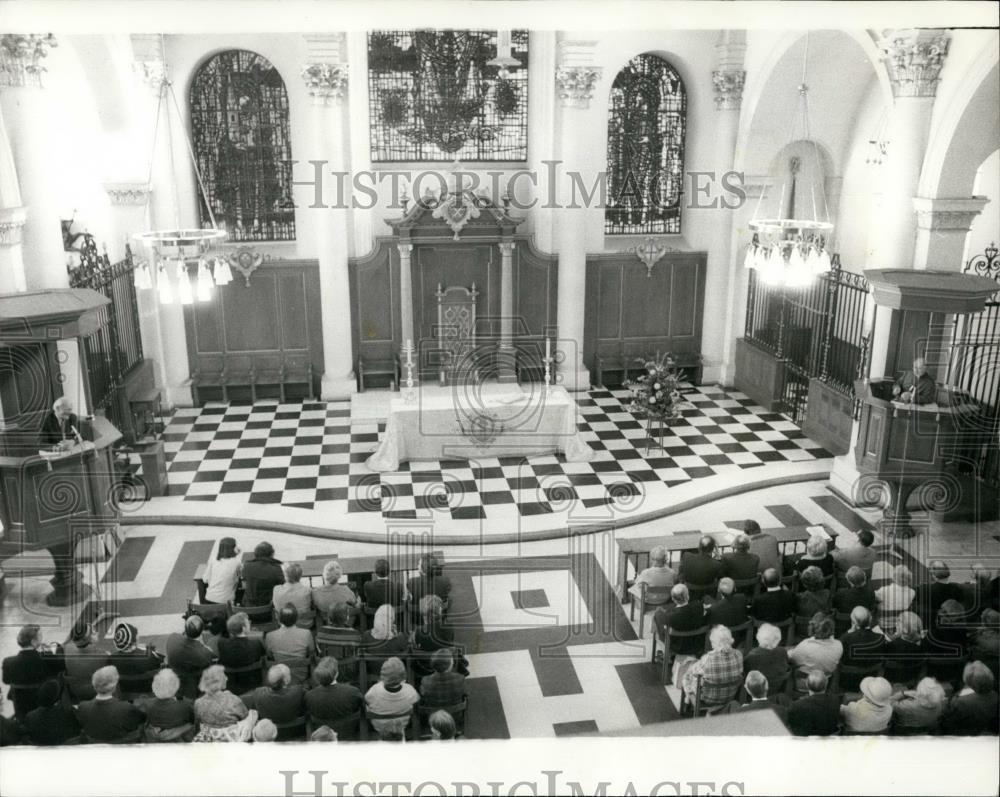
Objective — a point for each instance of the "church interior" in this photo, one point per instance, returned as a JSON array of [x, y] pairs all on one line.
[[679, 319]]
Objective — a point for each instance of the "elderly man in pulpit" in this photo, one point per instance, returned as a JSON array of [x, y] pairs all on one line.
[[60, 427], [916, 386]]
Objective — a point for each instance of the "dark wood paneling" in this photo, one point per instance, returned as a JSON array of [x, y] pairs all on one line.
[[759, 374], [26, 380], [458, 264], [829, 417], [292, 299], [536, 277], [252, 314], [907, 340], [375, 315]]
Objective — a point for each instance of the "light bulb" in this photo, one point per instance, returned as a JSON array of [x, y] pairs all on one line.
[[163, 286], [750, 261], [222, 273], [813, 262], [795, 261], [204, 282], [184, 292], [824, 261], [140, 277]]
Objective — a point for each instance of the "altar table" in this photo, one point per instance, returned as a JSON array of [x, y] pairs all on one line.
[[463, 424]]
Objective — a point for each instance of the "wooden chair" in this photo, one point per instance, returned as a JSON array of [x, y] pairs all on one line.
[[785, 626], [344, 644], [348, 729], [668, 653], [745, 629], [300, 666], [367, 729], [648, 597], [261, 617], [698, 706], [244, 679], [292, 730], [748, 586], [457, 711], [206, 611], [698, 591]]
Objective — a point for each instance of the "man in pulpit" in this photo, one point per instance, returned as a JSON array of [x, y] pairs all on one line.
[[61, 426], [916, 386]]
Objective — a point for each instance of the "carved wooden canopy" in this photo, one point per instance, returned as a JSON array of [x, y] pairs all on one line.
[[460, 216]]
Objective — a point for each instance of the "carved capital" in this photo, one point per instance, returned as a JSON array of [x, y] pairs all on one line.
[[914, 59], [404, 251], [11, 225], [945, 214], [575, 85], [122, 194], [21, 57], [506, 248], [728, 85], [325, 82]]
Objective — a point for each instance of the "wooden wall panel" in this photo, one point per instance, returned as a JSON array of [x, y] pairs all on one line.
[[449, 265], [27, 380], [535, 286], [294, 315], [252, 314]]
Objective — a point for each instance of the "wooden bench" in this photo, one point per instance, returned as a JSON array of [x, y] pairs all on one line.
[[372, 367], [688, 364], [226, 371]]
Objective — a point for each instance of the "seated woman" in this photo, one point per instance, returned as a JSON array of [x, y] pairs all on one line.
[[816, 555], [770, 658], [433, 634], [895, 597], [813, 595], [222, 716], [905, 653], [391, 696], [873, 712], [918, 710], [948, 643], [333, 592], [52, 722], [293, 591], [819, 651], [721, 670], [168, 718], [382, 639], [106, 718], [222, 575], [240, 650], [974, 710], [280, 701]]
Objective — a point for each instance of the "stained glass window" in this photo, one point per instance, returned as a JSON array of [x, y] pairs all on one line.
[[239, 126], [433, 96], [646, 117]]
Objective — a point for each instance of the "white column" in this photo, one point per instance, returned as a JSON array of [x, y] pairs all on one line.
[[575, 80], [506, 367], [406, 295], [12, 218], [326, 81], [723, 278], [942, 228]]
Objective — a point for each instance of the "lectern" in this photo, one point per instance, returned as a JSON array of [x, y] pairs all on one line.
[[905, 449]]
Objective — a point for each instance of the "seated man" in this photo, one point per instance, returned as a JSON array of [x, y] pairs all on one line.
[[293, 590], [757, 687], [61, 426], [33, 664], [53, 722], [973, 711], [721, 670], [280, 701], [658, 574], [862, 647], [429, 581], [701, 570], [857, 593], [188, 656], [817, 714], [681, 614], [740, 564], [331, 701], [290, 642], [819, 651], [763, 545], [770, 659], [106, 718], [931, 597], [729, 608], [775, 604], [444, 686], [261, 575], [860, 555], [239, 650], [383, 589], [916, 386]]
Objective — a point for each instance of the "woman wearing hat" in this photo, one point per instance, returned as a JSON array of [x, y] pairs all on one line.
[[873, 712], [391, 696], [131, 658], [918, 710]]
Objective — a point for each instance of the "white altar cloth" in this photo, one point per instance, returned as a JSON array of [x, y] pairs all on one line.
[[462, 425]]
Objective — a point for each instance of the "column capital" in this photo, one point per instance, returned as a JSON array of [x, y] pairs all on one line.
[[149, 62], [11, 224], [728, 86], [21, 57], [914, 59], [954, 214], [576, 74], [128, 193], [404, 250], [507, 248], [326, 82]]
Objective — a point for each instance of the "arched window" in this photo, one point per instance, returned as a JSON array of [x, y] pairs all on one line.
[[646, 118], [239, 125]]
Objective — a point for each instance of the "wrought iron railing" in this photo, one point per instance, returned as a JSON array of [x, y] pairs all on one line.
[[818, 331]]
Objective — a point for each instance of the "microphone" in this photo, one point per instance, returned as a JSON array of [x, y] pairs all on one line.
[[76, 434]]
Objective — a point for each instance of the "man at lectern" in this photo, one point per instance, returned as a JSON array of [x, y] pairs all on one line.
[[61, 427], [916, 386]]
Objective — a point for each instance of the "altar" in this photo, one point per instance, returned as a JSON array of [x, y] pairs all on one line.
[[479, 421]]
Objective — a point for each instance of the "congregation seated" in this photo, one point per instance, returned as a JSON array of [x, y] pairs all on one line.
[[391, 696], [816, 555], [432, 634], [930, 597], [288, 641], [947, 643], [106, 718], [443, 726], [187, 655], [895, 597], [858, 592], [280, 700], [53, 722], [774, 604], [818, 713], [444, 686], [813, 595], [428, 581], [873, 712], [221, 715], [862, 647], [770, 658], [905, 652], [82, 658], [764, 546], [261, 575], [859, 555], [757, 688], [721, 670], [658, 575], [700, 570], [382, 639], [332, 592], [31, 666], [131, 658], [223, 573], [819, 651], [382, 588], [740, 564], [293, 591], [729, 607], [215, 630], [169, 718], [239, 649], [973, 710], [330, 701], [683, 615], [918, 710]]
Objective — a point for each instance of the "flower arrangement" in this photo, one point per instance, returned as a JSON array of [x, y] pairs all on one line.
[[656, 393]]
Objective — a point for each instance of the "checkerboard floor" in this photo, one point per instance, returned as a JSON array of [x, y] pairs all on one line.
[[311, 455]]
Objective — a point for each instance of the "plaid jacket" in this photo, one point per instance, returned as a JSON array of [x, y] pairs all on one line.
[[723, 673]]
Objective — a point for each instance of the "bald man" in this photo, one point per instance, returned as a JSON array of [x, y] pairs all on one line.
[[61, 427], [916, 386]]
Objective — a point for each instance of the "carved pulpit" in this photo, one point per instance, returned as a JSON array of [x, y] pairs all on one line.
[[456, 332]]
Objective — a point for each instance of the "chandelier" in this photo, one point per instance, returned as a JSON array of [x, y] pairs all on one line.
[[790, 250], [174, 251]]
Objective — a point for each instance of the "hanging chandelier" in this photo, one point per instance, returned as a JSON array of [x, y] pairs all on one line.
[[172, 251], [790, 249]]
